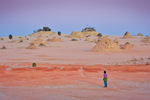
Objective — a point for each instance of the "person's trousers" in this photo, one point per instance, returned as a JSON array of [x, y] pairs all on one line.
[[105, 83]]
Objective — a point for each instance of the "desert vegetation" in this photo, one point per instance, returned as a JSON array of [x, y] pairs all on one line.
[[74, 39], [33, 64], [59, 33], [42, 45], [44, 29], [88, 29], [10, 36], [99, 35]]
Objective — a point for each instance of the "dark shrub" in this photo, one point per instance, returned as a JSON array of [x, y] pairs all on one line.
[[39, 30], [33, 64], [3, 47], [74, 39], [41, 44], [88, 29], [46, 29], [59, 33], [99, 34], [127, 43], [10, 36]]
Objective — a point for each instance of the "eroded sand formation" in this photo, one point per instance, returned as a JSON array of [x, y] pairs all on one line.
[[126, 46], [140, 34], [106, 45], [55, 39], [83, 33], [88, 39], [3, 47], [76, 34], [146, 40], [43, 33], [116, 40], [32, 46], [127, 35], [89, 31], [38, 41]]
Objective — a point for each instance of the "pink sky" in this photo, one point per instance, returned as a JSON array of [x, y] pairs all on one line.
[[109, 17]]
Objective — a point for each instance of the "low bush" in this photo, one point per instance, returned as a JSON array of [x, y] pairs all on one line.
[[59, 33], [99, 34], [33, 64], [127, 43], [74, 39], [3, 47], [41, 44], [10, 36]]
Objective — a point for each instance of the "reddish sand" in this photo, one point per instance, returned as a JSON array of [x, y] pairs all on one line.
[[68, 70], [75, 82]]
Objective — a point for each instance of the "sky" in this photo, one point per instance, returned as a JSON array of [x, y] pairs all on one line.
[[109, 17]]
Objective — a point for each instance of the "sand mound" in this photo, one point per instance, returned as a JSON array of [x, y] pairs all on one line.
[[18, 40], [87, 39], [55, 39], [127, 35], [146, 40], [31, 46], [106, 45], [4, 47], [43, 33], [126, 46], [22, 39], [38, 41], [14, 41], [90, 33], [140, 34], [96, 40], [116, 40], [76, 34], [41, 36]]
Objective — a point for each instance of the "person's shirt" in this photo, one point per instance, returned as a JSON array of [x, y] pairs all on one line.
[[105, 77]]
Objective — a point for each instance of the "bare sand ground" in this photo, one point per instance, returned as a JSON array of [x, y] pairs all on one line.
[[75, 82], [73, 52], [68, 70]]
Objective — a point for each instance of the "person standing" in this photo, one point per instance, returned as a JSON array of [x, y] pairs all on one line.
[[105, 79]]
